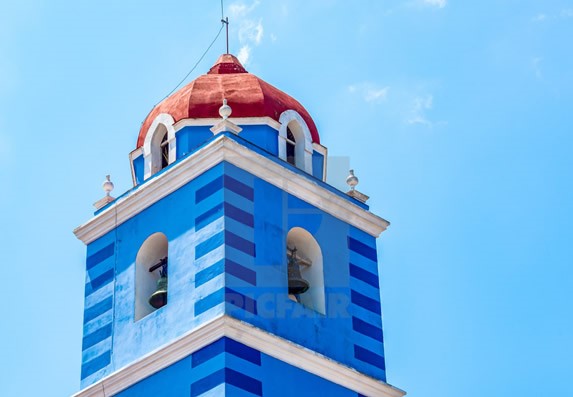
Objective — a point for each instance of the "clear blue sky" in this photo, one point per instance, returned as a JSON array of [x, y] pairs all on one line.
[[457, 117]]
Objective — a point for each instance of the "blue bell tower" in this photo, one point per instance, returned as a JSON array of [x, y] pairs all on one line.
[[231, 268]]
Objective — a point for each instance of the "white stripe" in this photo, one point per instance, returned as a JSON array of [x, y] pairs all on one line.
[[215, 284], [98, 296], [96, 350], [210, 230], [210, 258], [98, 322]]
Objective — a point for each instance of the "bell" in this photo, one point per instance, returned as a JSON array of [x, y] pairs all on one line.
[[159, 297], [296, 284]]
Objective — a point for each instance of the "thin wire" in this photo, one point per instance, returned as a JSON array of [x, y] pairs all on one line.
[[196, 64]]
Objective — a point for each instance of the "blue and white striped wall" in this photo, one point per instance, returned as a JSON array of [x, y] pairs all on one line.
[[227, 256]]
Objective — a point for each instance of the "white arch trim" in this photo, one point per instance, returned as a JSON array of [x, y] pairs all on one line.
[[286, 118], [151, 159]]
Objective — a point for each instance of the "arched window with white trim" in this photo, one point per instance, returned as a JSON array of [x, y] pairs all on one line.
[[295, 141], [159, 147]]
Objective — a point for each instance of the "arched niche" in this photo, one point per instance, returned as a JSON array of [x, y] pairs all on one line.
[[152, 251], [309, 251]]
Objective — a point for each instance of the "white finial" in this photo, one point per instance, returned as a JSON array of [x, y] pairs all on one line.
[[225, 110], [352, 180], [107, 185]]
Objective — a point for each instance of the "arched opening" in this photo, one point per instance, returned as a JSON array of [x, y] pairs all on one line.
[[151, 275], [303, 249], [290, 147], [159, 149], [164, 151], [295, 141], [295, 145]]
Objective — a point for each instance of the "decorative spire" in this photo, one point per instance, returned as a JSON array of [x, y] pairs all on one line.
[[225, 110], [225, 125], [107, 187], [352, 181]]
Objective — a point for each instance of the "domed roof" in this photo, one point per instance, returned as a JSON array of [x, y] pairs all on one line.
[[247, 95]]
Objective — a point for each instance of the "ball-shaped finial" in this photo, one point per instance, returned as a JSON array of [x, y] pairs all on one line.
[[107, 185], [225, 110], [352, 180]]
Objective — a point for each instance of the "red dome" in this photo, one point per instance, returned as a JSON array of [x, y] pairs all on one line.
[[247, 95]]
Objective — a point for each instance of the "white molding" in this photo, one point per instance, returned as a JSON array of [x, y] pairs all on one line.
[[225, 126], [251, 336], [226, 149], [235, 120]]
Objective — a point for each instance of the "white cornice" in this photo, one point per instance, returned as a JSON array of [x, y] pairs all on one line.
[[226, 149], [235, 120], [249, 335]]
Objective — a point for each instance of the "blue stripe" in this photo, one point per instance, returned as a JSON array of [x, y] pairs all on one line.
[[89, 288], [209, 273], [367, 329], [239, 187], [97, 309], [209, 245], [365, 302], [243, 381], [245, 352], [225, 345], [241, 301], [209, 301], [99, 256], [96, 336], [368, 357], [232, 240], [362, 249], [209, 216], [364, 275], [208, 352], [208, 189], [229, 376], [239, 271], [96, 364], [207, 383], [239, 215], [102, 280]]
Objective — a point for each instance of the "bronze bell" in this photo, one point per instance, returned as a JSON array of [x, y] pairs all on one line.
[[296, 284], [159, 297]]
